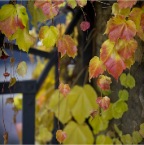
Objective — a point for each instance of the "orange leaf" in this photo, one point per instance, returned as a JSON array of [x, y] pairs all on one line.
[[118, 27], [104, 82], [96, 67], [60, 136], [126, 3], [113, 61], [64, 89], [104, 102], [67, 45]]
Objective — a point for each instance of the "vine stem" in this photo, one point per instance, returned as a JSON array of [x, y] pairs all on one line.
[[3, 115]]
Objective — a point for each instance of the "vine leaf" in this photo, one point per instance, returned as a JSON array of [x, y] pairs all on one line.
[[12, 81], [64, 89], [66, 45], [118, 108], [22, 68], [126, 3], [60, 136], [71, 3], [123, 95], [119, 28], [126, 139], [9, 101], [141, 131], [112, 60], [96, 67], [85, 25], [104, 82], [136, 137], [3, 54], [18, 102], [104, 102], [137, 16], [5, 137], [48, 35], [102, 139], [81, 3], [78, 134]]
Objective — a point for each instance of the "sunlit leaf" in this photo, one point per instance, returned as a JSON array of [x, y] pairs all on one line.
[[64, 89], [78, 134], [60, 136], [98, 124], [71, 3], [48, 35], [12, 81], [18, 102], [119, 108], [136, 137], [113, 61], [126, 139], [119, 28], [22, 68], [107, 114], [102, 139], [116, 141], [123, 95], [104, 82], [118, 11], [85, 25], [66, 45], [96, 67], [103, 102], [126, 3], [81, 3]]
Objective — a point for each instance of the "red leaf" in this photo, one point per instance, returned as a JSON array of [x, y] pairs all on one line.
[[113, 61], [104, 82], [6, 74], [126, 3], [104, 102], [67, 45], [60, 136], [118, 27], [64, 89], [96, 67], [3, 54], [84, 25]]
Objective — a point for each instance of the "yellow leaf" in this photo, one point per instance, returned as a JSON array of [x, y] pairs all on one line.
[[12, 82], [22, 68], [78, 134]]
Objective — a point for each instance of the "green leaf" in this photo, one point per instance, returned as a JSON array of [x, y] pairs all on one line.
[[141, 131], [12, 82], [102, 139], [127, 80], [6, 11], [136, 137], [116, 141], [130, 81], [59, 105], [48, 35], [98, 124], [126, 139], [82, 101], [118, 109], [71, 3], [78, 134], [107, 114], [118, 131], [22, 14], [123, 95]]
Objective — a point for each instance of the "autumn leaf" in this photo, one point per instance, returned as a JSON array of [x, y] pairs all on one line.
[[137, 16], [22, 68], [96, 67], [119, 28], [48, 35], [66, 45], [9, 101], [85, 25], [113, 61], [50, 9], [104, 82], [104, 102], [12, 82], [3, 54], [64, 89], [126, 3], [60, 136]]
